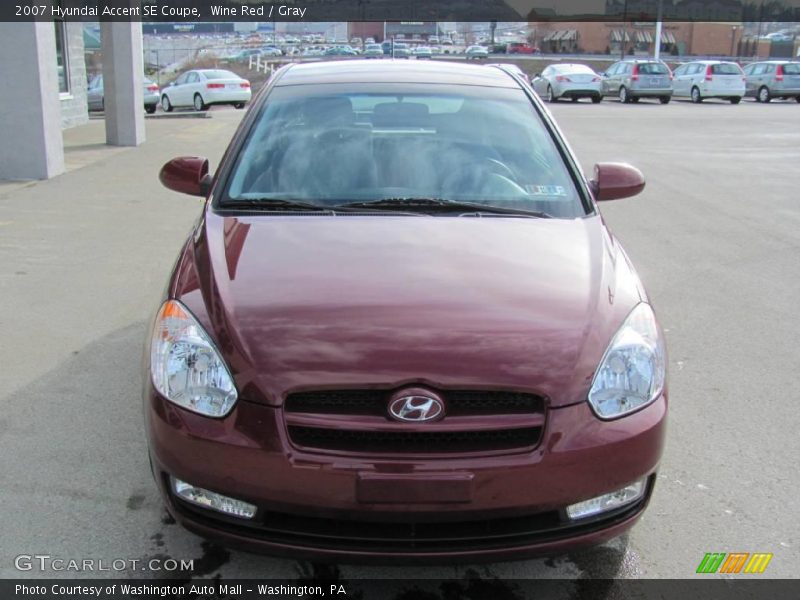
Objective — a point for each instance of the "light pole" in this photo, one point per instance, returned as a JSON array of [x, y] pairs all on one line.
[[624, 30], [660, 15]]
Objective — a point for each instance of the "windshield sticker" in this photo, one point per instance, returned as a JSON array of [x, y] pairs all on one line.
[[546, 190]]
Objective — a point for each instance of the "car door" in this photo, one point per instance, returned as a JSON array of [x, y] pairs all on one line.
[[749, 79], [679, 81], [176, 91], [696, 76], [765, 76], [540, 81], [685, 82], [608, 77], [192, 87]]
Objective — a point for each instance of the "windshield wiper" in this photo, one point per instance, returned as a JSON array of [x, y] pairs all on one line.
[[441, 205], [271, 204]]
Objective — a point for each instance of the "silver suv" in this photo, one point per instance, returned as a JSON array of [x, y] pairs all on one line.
[[773, 79], [634, 79]]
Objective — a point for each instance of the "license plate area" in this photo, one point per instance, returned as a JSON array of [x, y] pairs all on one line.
[[394, 488]]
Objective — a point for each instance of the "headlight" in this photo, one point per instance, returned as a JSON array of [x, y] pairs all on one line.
[[631, 374], [185, 366]]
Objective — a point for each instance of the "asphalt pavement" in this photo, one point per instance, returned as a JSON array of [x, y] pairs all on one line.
[[84, 259]]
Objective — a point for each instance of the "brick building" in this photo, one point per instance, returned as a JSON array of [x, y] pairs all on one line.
[[677, 38]]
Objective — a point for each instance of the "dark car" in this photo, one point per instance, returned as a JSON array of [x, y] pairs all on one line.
[[401, 330]]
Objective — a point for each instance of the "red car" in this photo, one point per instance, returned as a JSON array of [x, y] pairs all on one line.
[[520, 48], [401, 330]]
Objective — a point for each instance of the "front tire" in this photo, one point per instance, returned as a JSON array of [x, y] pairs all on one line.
[[736, 100], [624, 97], [239, 105], [696, 97], [764, 95], [199, 104], [664, 99], [166, 105]]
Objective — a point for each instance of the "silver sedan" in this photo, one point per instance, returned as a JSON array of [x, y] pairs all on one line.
[[96, 95], [571, 81]]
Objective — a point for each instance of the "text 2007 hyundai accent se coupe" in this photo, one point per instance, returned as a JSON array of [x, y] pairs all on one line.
[[401, 329]]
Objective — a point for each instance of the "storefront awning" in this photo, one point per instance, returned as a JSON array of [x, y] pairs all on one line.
[[561, 35], [616, 35], [667, 38]]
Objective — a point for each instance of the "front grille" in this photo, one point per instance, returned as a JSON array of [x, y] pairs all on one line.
[[357, 421], [374, 402], [422, 442]]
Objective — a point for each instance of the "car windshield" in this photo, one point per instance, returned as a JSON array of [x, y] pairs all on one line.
[[340, 143], [220, 75], [653, 69], [725, 69], [791, 69]]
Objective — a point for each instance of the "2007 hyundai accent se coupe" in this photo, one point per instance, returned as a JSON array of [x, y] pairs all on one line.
[[401, 330]]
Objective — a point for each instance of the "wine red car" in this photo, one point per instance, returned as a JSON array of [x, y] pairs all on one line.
[[400, 328]]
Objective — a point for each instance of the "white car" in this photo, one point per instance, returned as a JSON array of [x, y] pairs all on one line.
[[202, 88], [703, 79]]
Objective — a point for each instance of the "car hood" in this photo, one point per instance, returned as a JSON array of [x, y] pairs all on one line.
[[304, 302]]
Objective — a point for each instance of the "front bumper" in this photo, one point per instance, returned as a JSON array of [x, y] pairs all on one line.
[[314, 506]]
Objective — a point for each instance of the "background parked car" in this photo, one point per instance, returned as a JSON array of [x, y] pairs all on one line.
[[573, 81], [203, 87], [477, 52], [772, 79], [271, 51], [96, 95], [401, 50], [703, 79], [244, 55], [373, 51], [520, 48], [423, 52], [631, 80], [341, 51]]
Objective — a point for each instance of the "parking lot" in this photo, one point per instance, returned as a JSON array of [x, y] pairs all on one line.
[[84, 258]]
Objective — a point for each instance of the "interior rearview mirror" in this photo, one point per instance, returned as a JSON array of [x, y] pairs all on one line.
[[613, 181], [187, 175]]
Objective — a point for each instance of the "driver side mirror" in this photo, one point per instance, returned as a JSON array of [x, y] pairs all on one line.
[[613, 181], [187, 175]]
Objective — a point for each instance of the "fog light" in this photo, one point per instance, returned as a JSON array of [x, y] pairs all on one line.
[[607, 502], [212, 500]]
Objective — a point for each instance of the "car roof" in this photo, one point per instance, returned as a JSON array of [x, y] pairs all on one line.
[[394, 71]]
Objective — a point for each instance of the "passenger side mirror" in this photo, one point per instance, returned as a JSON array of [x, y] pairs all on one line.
[[187, 175], [613, 181]]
